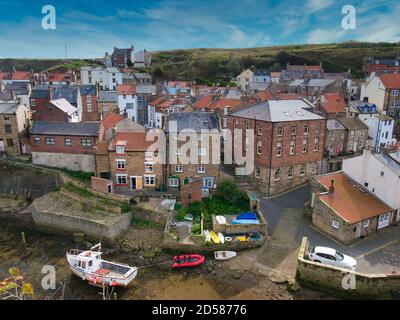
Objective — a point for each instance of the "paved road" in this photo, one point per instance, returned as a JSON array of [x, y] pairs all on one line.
[[287, 224]]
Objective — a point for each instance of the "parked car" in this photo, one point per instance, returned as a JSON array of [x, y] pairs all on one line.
[[333, 257]]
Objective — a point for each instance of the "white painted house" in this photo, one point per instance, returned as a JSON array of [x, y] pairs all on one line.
[[107, 78], [128, 101], [379, 173]]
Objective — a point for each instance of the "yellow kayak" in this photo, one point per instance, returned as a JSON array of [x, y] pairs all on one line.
[[214, 237], [243, 239]]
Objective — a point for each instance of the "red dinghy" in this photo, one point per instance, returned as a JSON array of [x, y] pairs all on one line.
[[187, 261]]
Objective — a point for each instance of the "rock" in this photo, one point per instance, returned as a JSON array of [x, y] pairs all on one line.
[[237, 275], [294, 286]]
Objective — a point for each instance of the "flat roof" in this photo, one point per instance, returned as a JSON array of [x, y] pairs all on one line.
[[349, 200]]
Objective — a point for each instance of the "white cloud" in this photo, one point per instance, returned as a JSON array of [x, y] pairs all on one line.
[[324, 36], [317, 5]]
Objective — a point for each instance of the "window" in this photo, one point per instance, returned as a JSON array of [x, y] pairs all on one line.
[[148, 156], [8, 128], [50, 140], [33, 103], [293, 129], [279, 150], [277, 174], [258, 173], [86, 142], [121, 164], [208, 183], [306, 129], [148, 168], [120, 149], [149, 180], [335, 224], [67, 141], [259, 130], [382, 174], [316, 144], [179, 151], [122, 179], [178, 168], [202, 152], [318, 128], [10, 142], [290, 173], [395, 93], [173, 182], [302, 169], [36, 140], [314, 168], [305, 145], [259, 147], [201, 169], [366, 223], [292, 147], [280, 131]]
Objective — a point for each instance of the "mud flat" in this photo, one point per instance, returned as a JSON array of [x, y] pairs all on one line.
[[57, 213]]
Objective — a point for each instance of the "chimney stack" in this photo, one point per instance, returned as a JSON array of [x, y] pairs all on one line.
[[332, 187]]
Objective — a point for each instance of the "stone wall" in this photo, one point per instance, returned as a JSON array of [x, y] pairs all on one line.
[[26, 180], [77, 162], [329, 279], [67, 224], [240, 228], [152, 216]]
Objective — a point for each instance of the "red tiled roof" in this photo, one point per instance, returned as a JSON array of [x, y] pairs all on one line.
[[264, 95], [158, 101], [391, 81], [166, 104], [204, 102], [126, 89], [351, 204], [21, 75], [111, 120], [334, 103], [56, 77], [182, 84], [225, 103], [133, 141]]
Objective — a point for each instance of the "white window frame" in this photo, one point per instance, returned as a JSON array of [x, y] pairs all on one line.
[[279, 148], [117, 176], [366, 223], [335, 224], [149, 167], [173, 185], [178, 168], [120, 162], [201, 168], [151, 178], [120, 148], [305, 170]]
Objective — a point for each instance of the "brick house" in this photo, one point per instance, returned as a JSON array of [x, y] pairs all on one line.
[[14, 122], [107, 102], [90, 110], [333, 105], [191, 192], [65, 144], [39, 99], [122, 57], [133, 166], [288, 142], [356, 134], [344, 210], [180, 173], [334, 138]]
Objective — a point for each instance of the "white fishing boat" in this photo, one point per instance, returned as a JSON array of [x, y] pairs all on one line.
[[207, 236], [224, 255], [220, 219], [221, 237], [89, 266]]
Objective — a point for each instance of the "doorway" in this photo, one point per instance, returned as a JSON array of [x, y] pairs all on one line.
[[1, 145]]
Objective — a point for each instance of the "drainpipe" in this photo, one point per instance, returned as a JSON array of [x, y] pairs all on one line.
[[270, 159]]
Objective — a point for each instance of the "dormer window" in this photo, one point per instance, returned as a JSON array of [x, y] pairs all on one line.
[[120, 149]]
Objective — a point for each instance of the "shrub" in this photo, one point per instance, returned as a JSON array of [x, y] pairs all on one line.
[[182, 212]]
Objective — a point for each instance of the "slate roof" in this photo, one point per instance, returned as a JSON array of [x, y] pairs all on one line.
[[262, 72], [6, 95], [196, 121], [392, 160], [334, 124], [89, 129], [40, 94], [88, 90], [68, 93], [279, 111], [8, 107], [320, 82], [353, 124], [107, 96]]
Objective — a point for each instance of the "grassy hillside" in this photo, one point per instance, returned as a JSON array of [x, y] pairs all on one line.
[[38, 65], [220, 65]]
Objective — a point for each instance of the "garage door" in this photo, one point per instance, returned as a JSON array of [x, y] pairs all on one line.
[[384, 220]]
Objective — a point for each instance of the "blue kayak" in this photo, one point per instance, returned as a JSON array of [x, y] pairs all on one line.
[[247, 216], [244, 221]]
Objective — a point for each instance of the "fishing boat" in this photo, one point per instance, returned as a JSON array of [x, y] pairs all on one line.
[[89, 266], [221, 237], [224, 255], [188, 261], [220, 219], [214, 237]]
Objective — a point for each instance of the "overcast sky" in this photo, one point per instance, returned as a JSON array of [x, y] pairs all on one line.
[[92, 27]]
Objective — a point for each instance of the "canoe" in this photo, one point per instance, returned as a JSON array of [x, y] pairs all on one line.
[[207, 235], [245, 222], [220, 219], [221, 237], [188, 261], [214, 237], [224, 255], [243, 239], [247, 216]]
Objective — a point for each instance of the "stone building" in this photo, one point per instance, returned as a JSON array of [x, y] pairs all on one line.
[[345, 210], [107, 102], [14, 122], [65, 144], [205, 127], [288, 142], [356, 134], [334, 138]]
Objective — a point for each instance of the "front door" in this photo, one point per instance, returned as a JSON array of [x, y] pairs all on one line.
[[133, 183], [136, 183], [1, 145]]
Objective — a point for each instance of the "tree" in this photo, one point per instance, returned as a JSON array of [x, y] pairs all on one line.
[[276, 67], [233, 68]]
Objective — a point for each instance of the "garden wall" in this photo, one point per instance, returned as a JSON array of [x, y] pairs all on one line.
[[329, 279], [240, 228]]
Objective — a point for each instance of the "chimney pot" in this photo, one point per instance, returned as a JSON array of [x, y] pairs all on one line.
[[332, 187]]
